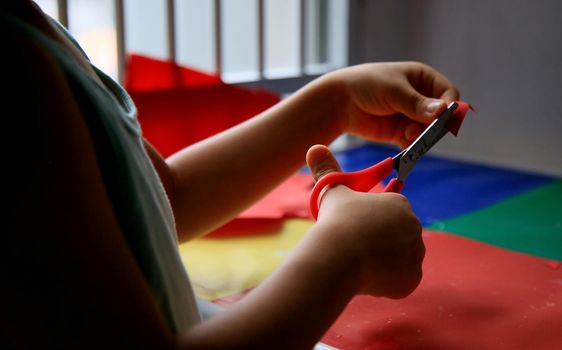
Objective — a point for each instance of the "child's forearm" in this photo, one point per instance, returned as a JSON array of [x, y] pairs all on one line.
[[293, 308], [219, 177]]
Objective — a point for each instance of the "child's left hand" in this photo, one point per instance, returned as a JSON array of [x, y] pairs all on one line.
[[390, 102]]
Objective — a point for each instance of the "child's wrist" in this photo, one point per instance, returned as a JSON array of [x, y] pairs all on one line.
[[326, 247], [335, 93]]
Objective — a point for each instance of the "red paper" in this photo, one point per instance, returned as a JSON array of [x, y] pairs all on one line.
[[148, 74], [454, 123], [288, 200], [178, 106], [473, 296]]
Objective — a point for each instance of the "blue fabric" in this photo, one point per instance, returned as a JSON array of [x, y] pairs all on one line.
[[440, 188]]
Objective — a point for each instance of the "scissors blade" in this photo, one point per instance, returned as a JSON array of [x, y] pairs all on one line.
[[432, 134]]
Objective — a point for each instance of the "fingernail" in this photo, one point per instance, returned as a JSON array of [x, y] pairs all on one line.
[[432, 106]]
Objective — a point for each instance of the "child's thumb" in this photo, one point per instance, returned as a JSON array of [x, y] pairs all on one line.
[[417, 106], [321, 161]]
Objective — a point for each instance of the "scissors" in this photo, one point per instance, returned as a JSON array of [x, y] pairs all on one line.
[[364, 180]]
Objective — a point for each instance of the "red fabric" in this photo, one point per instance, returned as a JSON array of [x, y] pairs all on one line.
[[179, 106], [472, 296]]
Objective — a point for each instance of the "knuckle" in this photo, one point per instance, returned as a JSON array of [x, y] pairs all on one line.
[[320, 173], [400, 200], [456, 93], [396, 196], [453, 93]]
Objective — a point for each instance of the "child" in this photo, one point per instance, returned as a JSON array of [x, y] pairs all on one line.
[[95, 212]]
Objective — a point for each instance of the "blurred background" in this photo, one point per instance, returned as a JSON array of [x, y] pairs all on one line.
[[505, 55]]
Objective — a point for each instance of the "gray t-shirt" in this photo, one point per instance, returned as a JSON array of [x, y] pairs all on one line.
[[136, 193]]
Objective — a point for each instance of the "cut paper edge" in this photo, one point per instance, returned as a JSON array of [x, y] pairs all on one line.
[[456, 120], [288, 200]]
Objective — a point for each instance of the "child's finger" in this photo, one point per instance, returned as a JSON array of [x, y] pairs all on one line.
[[450, 95], [416, 106], [321, 161]]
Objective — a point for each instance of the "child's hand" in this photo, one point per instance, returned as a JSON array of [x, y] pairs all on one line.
[[378, 232], [391, 102]]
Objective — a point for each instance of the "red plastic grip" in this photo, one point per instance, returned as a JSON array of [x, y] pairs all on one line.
[[394, 185], [361, 181]]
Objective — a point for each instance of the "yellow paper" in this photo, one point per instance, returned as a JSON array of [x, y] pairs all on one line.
[[220, 267]]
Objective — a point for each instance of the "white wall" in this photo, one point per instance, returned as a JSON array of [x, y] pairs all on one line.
[[504, 55]]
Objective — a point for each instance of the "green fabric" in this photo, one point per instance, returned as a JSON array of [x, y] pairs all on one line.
[[530, 223]]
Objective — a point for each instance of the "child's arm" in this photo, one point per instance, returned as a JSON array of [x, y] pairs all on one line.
[[362, 243], [216, 179]]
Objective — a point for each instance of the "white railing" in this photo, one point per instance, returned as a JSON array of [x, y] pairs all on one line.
[[321, 25]]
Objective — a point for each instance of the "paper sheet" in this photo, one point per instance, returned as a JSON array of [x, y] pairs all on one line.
[[473, 296]]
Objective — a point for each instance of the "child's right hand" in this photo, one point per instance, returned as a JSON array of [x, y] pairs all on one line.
[[379, 233]]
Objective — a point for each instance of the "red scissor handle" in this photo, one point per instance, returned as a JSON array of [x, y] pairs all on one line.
[[362, 181]]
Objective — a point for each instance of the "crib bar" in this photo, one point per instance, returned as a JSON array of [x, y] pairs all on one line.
[[62, 8], [171, 30], [218, 37], [261, 38], [120, 36], [303, 41]]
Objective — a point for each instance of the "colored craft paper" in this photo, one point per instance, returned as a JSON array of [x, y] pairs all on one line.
[[288, 200], [473, 296], [149, 74], [178, 106], [455, 122], [530, 222], [223, 267]]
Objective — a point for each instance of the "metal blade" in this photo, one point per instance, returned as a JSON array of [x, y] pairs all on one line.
[[431, 135]]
